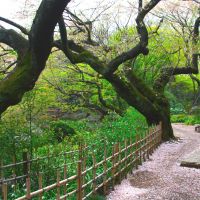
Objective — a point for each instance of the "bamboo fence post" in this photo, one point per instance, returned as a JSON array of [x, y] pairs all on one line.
[[160, 138], [113, 166], [65, 177], [48, 164], [40, 184], [144, 146], [94, 174], [80, 151], [14, 171], [38, 165], [25, 165], [1, 169], [152, 140], [79, 180], [28, 188], [112, 170], [5, 191], [148, 143], [158, 135], [58, 185], [143, 140], [105, 170], [84, 164], [153, 134], [80, 157], [116, 161], [64, 153], [155, 137], [132, 155], [140, 148], [119, 161], [136, 150], [126, 148]]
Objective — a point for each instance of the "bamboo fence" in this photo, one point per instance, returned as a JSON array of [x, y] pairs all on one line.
[[104, 171]]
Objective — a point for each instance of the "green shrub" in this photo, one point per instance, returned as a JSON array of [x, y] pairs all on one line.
[[178, 118], [61, 130], [186, 119]]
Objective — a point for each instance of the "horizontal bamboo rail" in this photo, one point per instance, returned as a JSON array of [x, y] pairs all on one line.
[[114, 166]]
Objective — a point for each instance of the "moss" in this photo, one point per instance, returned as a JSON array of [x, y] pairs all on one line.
[[16, 84]]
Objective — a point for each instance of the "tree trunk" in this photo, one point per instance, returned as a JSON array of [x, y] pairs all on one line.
[[164, 118], [167, 131], [153, 106]]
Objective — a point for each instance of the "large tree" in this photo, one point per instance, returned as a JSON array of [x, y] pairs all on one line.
[[34, 47]]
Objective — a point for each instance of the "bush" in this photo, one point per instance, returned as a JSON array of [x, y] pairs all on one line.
[[61, 130], [178, 118], [186, 119]]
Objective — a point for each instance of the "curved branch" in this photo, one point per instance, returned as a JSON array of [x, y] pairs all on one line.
[[83, 56], [134, 98], [27, 71], [141, 47], [64, 41], [43, 26], [14, 40], [21, 28]]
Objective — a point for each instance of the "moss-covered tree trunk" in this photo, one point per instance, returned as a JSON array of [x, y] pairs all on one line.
[[164, 118], [153, 105]]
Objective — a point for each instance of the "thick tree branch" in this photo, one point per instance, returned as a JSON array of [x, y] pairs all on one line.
[[21, 28], [64, 41], [140, 85], [27, 71], [134, 97], [141, 47], [83, 56], [14, 40]]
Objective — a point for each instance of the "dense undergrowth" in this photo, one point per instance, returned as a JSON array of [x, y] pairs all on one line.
[[43, 142]]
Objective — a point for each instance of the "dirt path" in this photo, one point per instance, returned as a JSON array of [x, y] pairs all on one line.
[[162, 177]]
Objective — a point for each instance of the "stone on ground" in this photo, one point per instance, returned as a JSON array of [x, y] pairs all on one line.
[[192, 160]]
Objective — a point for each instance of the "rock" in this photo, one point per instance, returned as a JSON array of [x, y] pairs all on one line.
[[197, 128], [192, 160]]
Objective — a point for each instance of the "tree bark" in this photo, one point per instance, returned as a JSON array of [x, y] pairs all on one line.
[[167, 131], [154, 106]]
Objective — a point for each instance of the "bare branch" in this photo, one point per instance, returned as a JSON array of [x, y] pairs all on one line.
[[166, 73], [21, 28]]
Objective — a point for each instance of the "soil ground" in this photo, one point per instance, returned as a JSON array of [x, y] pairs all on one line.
[[162, 177]]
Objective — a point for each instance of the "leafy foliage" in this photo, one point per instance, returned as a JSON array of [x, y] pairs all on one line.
[[186, 119]]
